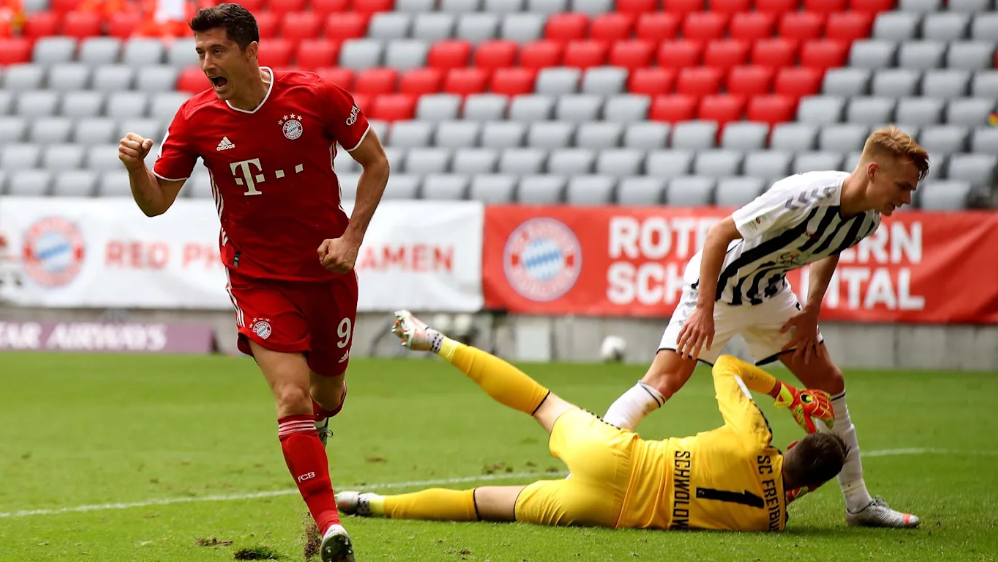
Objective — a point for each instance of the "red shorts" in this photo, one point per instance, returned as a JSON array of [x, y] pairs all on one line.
[[315, 319]]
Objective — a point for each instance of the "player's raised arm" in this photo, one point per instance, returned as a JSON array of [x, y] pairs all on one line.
[[152, 194]]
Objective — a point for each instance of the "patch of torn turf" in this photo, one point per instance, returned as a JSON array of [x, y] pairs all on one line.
[[256, 553], [311, 536], [212, 542]]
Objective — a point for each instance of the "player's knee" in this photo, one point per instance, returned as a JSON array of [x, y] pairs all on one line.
[[665, 378], [293, 400]]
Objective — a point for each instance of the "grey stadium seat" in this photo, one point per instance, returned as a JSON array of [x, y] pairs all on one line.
[[571, 161], [668, 163], [28, 183], [843, 138], [485, 107], [427, 161], [919, 111], [503, 6], [873, 53], [389, 25], [53, 50], [604, 80], [921, 6], [970, 6], [522, 161], [6, 102], [978, 169], [474, 161], [767, 164], [360, 54], [717, 163], [556, 81], [402, 187], [550, 134], [599, 134], [457, 134], [591, 7], [50, 130], [113, 78], [74, 183], [646, 136], [984, 27], [945, 83], [433, 26], [522, 28], [438, 107], [17, 156], [57, 157], [540, 190], [693, 135], [13, 129], [530, 108], [114, 183], [460, 6], [851, 161], [199, 185], [181, 52], [396, 157], [578, 108], [944, 195], [410, 134], [945, 139], [937, 169], [645, 190], [148, 128], [737, 192], [476, 28], [69, 76], [896, 26], [21, 77], [870, 110], [492, 188], [36, 103], [817, 162], [971, 112], [895, 82], [104, 157], [945, 26], [690, 191], [547, 6], [744, 136], [985, 84], [922, 55], [503, 134], [344, 163], [414, 6], [127, 104], [971, 55], [984, 140], [160, 78], [94, 130], [164, 106], [626, 108], [406, 54], [846, 82], [620, 162], [143, 52], [794, 136], [590, 190], [821, 109], [99, 50]]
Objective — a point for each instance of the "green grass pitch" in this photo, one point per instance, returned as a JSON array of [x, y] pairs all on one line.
[[96, 430]]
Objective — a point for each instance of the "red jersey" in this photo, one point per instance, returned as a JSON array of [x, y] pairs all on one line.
[[271, 171]]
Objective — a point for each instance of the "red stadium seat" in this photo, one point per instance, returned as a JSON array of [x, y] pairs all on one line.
[[656, 27], [585, 54], [871, 6], [751, 26], [513, 81], [722, 109], [275, 53], [340, 27], [496, 53], [672, 108], [682, 6], [317, 53], [771, 109], [191, 80], [15, 50], [698, 81], [376, 81], [637, 6], [612, 27], [679, 54], [541, 54], [750, 80], [730, 6], [81, 24], [452, 53], [824, 53], [300, 25], [365, 103], [420, 81], [342, 77], [798, 81], [281, 7], [776, 6], [253, 6], [725, 53], [123, 24], [64, 6], [267, 23], [848, 26], [570, 26], [393, 107], [466, 81], [704, 26], [631, 54], [40, 24], [322, 8], [651, 81], [774, 52], [824, 6], [801, 26], [373, 6]]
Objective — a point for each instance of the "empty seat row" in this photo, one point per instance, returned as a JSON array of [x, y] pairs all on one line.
[[86, 131], [136, 52], [80, 104], [79, 76], [101, 157], [969, 112], [923, 55], [902, 82], [939, 26]]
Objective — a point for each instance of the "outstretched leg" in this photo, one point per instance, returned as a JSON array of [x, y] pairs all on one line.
[[488, 503]]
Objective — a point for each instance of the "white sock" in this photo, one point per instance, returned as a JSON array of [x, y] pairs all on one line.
[[632, 406], [851, 478]]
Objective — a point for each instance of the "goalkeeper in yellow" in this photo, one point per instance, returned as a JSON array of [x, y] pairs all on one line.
[[730, 478]]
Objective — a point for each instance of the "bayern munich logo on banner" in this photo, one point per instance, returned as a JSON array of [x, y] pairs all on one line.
[[53, 251], [542, 259]]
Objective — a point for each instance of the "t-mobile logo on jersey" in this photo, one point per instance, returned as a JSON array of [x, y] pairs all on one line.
[[248, 169]]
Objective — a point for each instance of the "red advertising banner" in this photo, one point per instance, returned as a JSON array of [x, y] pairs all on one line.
[[629, 261]]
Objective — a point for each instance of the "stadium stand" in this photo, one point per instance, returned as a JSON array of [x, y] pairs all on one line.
[[684, 102]]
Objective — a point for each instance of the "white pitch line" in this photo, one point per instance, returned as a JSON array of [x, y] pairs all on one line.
[[409, 484]]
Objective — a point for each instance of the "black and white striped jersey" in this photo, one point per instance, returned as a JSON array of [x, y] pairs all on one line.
[[794, 223]]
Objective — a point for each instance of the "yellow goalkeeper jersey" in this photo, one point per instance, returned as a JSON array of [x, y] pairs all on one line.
[[726, 479]]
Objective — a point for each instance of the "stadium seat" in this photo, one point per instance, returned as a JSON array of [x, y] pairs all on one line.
[[751, 26], [611, 27], [393, 107], [465, 81], [39, 24], [420, 81], [446, 55], [541, 54], [376, 81], [458, 134], [948, 83], [923, 55], [541, 190], [636, 54], [801, 26], [651, 81], [566, 27], [476, 28], [374, 6], [590, 190], [698, 81], [871, 6], [776, 6], [267, 23], [626, 108], [342, 77], [794, 136], [343, 26], [672, 108], [558, 80], [81, 24], [679, 54], [721, 108], [276, 53], [433, 26], [775, 52], [682, 7], [655, 26], [521, 28], [22, 77], [725, 54], [771, 109], [123, 24], [323, 8], [729, 6], [312, 54], [503, 134], [296, 26], [282, 7], [474, 160], [513, 81], [848, 26], [498, 53], [797, 82], [439, 107], [485, 107], [717, 164], [690, 191], [578, 108], [694, 135], [603, 81], [599, 135], [492, 188], [824, 6], [847, 81], [550, 135], [637, 7], [522, 161], [823, 54], [737, 192], [745, 136], [642, 190], [14, 50], [750, 80], [945, 26], [358, 54], [704, 26], [585, 54], [846, 137], [767, 164]]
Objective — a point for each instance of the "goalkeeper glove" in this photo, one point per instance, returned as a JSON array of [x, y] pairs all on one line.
[[805, 405]]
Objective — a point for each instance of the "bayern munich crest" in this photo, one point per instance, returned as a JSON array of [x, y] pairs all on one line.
[[291, 126], [53, 251], [261, 327], [542, 259]]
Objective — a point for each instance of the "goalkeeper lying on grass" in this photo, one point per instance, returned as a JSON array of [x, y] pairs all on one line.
[[730, 478]]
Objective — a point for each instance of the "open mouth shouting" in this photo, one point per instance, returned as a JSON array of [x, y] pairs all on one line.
[[219, 83]]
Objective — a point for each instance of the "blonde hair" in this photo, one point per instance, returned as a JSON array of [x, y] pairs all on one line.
[[893, 142]]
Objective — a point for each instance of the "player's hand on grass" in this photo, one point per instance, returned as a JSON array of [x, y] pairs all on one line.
[[804, 335], [806, 406], [338, 255], [132, 151], [697, 332]]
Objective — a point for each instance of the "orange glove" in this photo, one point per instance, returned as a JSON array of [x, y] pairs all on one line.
[[806, 406]]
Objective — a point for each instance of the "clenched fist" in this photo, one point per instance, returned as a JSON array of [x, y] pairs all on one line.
[[132, 151]]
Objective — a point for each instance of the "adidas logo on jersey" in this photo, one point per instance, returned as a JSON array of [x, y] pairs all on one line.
[[225, 144]]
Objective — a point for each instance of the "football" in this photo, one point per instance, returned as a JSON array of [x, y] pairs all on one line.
[[613, 349]]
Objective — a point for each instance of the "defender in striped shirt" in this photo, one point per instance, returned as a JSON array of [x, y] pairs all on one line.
[[736, 285]]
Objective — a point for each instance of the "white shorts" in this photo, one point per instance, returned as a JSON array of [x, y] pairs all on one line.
[[758, 325]]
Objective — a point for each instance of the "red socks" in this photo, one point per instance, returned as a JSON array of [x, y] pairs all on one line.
[[306, 459]]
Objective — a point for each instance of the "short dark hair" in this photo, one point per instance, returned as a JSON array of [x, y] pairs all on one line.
[[238, 23], [815, 459]]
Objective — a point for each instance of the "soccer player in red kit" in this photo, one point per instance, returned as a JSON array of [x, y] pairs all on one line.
[[268, 139]]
